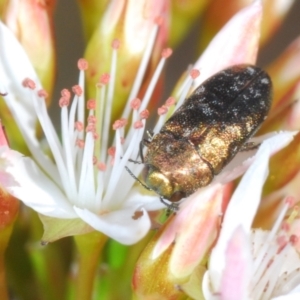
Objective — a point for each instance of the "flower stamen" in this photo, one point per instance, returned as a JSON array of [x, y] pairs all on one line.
[[270, 258]]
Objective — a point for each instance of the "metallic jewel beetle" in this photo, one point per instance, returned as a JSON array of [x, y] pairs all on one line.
[[207, 131]]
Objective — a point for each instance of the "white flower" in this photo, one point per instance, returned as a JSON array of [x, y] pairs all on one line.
[[85, 186], [247, 263]]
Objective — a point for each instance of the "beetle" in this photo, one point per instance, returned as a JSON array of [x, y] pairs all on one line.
[[206, 132]]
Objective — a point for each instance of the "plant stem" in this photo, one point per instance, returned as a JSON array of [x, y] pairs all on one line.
[[89, 248]]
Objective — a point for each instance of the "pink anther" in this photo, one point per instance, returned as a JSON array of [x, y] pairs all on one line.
[[194, 73], [294, 239], [170, 101], [101, 166], [290, 201], [42, 94], [111, 151], [78, 126], [144, 114], [135, 103], [63, 101], [65, 94], [162, 110], [104, 78], [166, 53], [138, 124], [117, 125], [115, 44], [91, 104], [77, 90], [29, 83], [82, 64], [80, 143]]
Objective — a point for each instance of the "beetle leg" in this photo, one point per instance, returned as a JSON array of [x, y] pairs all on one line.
[[171, 207], [143, 143], [135, 161], [249, 146], [141, 150]]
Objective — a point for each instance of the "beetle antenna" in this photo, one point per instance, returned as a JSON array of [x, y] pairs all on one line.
[[133, 176]]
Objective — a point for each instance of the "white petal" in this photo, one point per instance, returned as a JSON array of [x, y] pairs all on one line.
[[137, 198], [34, 188], [118, 224], [241, 210], [206, 288], [244, 202], [293, 295], [15, 66]]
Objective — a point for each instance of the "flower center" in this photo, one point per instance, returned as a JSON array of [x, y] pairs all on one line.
[[273, 271]]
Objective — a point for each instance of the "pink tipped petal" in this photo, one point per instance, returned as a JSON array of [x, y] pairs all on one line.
[[195, 238], [127, 226], [112, 15], [178, 224], [34, 188], [192, 239], [138, 21], [237, 42], [238, 267]]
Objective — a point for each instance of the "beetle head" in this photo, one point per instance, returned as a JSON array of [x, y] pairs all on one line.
[[161, 184]]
